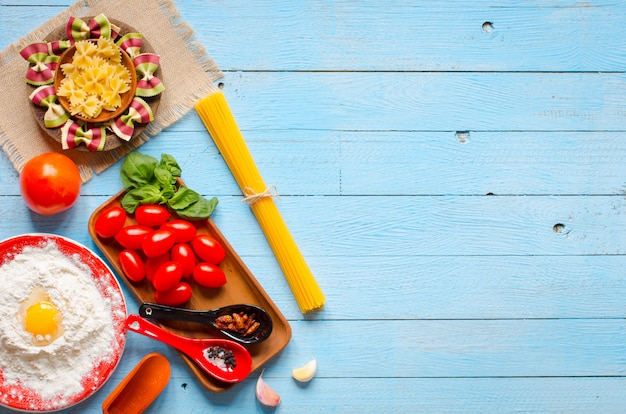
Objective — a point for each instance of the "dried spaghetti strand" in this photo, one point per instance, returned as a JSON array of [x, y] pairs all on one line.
[[221, 124]]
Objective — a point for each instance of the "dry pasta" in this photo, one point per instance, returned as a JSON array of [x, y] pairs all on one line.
[[95, 79], [222, 126]]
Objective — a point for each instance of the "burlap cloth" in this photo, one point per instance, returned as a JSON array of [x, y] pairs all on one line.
[[188, 75]]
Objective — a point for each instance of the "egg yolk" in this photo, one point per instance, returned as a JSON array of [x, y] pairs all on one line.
[[42, 319]]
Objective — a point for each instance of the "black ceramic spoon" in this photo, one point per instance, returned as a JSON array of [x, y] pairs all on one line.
[[208, 317]]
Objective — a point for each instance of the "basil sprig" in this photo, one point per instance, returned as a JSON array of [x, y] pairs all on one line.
[[150, 181]]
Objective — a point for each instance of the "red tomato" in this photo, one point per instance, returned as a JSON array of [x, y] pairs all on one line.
[[184, 230], [158, 242], [167, 276], [131, 237], [50, 183], [208, 249], [110, 221], [151, 215], [153, 264], [176, 296], [132, 265], [209, 275], [183, 254]]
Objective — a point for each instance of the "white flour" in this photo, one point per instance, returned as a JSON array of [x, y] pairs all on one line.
[[54, 370]]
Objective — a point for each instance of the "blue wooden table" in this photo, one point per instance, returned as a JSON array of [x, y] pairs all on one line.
[[454, 174]]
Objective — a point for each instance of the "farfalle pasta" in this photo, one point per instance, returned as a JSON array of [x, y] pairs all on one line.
[[95, 79], [42, 65], [55, 115], [75, 134]]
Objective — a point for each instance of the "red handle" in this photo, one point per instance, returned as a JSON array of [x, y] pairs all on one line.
[[194, 349], [141, 326]]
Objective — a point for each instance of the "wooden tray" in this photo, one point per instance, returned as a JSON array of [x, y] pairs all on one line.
[[241, 287]]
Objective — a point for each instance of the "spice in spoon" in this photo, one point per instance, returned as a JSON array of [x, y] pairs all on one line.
[[238, 322], [221, 357]]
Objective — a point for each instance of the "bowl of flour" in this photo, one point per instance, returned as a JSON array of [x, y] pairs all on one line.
[[62, 316]]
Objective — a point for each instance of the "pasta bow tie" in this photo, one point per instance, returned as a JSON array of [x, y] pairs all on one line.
[[46, 97], [138, 112], [145, 65], [77, 29], [43, 65], [73, 134], [131, 44], [57, 47]]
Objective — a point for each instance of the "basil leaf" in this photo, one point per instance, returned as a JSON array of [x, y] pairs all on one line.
[[164, 177], [169, 163], [148, 194], [199, 210], [137, 170], [149, 181], [183, 198], [168, 191]]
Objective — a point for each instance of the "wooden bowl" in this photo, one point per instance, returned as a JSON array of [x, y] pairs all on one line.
[[105, 115], [112, 140]]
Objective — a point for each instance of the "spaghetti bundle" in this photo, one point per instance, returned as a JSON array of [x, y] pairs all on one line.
[[222, 126]]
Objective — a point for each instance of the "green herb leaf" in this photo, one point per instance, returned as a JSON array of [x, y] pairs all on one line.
[[169, 163], [168, 191], [201, 209], [183, 198], [137, 170], [163, 176], [148, 181], [148, 194]]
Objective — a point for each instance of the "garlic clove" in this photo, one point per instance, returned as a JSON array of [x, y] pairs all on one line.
[[306, 372], [265, 394]]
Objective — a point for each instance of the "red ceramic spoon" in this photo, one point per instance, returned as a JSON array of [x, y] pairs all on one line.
[[195, 349]]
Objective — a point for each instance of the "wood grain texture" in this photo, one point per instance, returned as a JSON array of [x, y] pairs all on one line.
[[402, 163], [405, 36], [455, 185]]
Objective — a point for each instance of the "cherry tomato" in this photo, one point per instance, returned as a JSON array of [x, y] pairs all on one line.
[[110, 221], [176, 296], [209, 275], [167, 276], [151, 215], [184, 230], [132, 265], [183, 254], [153, 264], [131, 237], [158, 242], [50, 183], [208, 249]]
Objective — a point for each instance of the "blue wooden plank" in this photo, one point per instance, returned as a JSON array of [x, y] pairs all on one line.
[[394, 162], [480, 163], [406, 396], [403, 36], [418, 226], [428, 101], [408, 35], [449, 225]]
